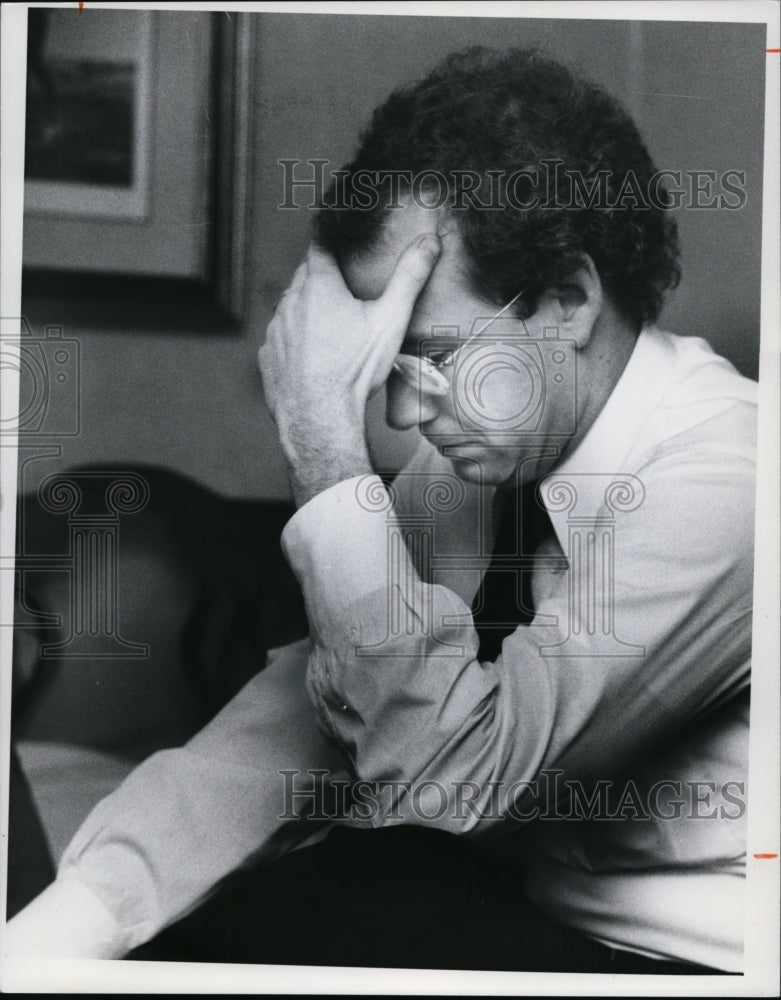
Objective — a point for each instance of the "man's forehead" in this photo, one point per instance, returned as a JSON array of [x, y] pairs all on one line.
[[447, 299], [367, 272]]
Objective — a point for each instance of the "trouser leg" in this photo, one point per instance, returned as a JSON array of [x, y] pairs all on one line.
[[403, 897]]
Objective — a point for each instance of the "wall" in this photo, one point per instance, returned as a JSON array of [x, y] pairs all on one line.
[[194, 403]]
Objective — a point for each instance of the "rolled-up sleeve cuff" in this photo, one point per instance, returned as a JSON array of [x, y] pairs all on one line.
[[68, 920], [392, 674], [338, 545]]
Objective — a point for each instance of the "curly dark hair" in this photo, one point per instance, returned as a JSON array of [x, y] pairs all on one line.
[[491, 114]]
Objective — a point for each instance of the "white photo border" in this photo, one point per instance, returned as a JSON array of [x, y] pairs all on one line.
[[761, 976]]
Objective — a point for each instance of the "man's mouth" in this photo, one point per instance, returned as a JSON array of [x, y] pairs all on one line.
[[454, 449], [449, 445]]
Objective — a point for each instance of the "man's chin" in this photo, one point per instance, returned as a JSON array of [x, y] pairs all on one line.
[[482, 471]]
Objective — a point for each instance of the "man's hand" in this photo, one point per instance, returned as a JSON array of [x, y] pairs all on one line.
[[326, 353]]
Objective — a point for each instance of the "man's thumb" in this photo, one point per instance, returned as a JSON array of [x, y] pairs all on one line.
[[411, 273]]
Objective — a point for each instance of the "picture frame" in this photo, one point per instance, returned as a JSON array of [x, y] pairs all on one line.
[[167, 243], [89, 105]]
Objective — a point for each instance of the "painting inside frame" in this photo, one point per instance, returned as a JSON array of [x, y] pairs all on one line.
[[89, 93]]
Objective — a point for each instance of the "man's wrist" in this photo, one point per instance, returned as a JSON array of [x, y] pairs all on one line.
[[322, 455], [324, 473]]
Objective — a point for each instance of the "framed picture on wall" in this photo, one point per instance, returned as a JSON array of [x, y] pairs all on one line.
[[137, 156], [89, 95]]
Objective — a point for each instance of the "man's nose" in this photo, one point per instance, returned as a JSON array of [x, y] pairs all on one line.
[[406, 406]]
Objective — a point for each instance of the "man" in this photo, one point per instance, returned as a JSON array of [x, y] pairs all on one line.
[[470, 259]]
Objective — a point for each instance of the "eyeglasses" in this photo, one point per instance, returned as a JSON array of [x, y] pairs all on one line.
[[425, 374]]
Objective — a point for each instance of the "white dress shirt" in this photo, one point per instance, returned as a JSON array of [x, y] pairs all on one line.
[[634, 670]]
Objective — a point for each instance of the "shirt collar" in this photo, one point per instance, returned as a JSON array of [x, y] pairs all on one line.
[[602, 454]]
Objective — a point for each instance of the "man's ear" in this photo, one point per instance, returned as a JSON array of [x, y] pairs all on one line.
[[579, 302]]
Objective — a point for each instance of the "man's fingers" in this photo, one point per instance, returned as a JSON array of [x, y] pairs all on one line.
[[411, 273]]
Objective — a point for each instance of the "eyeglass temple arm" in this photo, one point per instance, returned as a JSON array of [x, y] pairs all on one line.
[[485, 325]]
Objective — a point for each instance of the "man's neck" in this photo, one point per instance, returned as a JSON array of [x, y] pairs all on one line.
[[601, 364]]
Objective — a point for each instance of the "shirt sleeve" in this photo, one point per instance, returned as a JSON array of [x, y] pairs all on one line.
[[394, 674], [187, 817]]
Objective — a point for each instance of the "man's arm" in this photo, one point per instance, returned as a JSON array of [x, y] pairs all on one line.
[[395, 677], [325, 354], [67, 920], [184, 819], [187, 817]]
